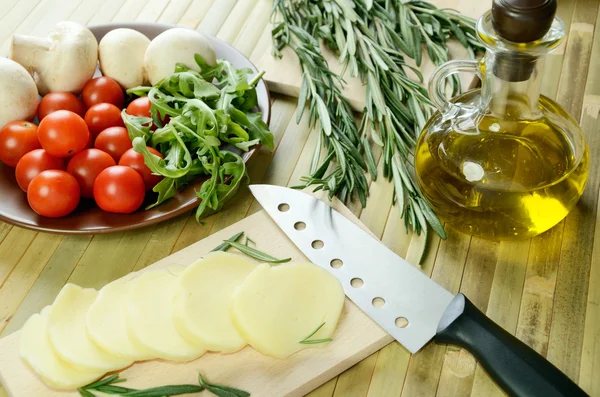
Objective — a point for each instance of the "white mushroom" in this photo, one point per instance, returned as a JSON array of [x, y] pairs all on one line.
[[63, 61], [18, 93], [177, 45], [121, 54]]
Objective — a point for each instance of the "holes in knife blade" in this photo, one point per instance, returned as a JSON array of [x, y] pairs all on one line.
[[317, 244], [299, 226], [336, 263], [357, 282], [283, 207], [378, 302], [401, 322]]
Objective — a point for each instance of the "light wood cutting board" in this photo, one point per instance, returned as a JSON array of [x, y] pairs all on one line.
[[284, 76], [356, 337]]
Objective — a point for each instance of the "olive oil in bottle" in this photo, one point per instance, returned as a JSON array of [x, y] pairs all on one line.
[[502, 161]]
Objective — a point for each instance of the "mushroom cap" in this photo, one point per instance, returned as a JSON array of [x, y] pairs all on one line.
[[128, 70], [75, 58], [177, 45], [18, 94]]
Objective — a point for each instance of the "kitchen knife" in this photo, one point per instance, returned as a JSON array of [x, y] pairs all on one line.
[[405, 302]]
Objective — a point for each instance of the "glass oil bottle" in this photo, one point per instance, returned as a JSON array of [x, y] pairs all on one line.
[[503, 161]]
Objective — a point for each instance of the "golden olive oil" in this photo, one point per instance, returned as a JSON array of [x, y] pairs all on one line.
[[505, 177]]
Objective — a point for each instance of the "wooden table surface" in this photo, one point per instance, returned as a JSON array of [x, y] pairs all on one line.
[[546, 290]]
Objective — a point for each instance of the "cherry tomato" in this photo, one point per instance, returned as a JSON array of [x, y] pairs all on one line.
[[140, 107], [102, 90], [135, 160], [53, 193], [102, 116], [86, 165], [33, 163], [60, 101], [114, 141], [63, 133], [16, 139], [119, 189]]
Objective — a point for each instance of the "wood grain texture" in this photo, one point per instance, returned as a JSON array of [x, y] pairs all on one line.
[[546, 290]]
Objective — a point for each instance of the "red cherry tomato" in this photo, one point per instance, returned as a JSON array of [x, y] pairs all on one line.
[[140, 107], [119, 189], [16, 139], [114, 141], [135, 160], [86, 165], [60, 101], [34, 163], [102, 116], [53, 193], [63, 133], [102, 90]]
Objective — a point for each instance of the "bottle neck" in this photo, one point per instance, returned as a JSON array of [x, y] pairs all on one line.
[[511, 84]]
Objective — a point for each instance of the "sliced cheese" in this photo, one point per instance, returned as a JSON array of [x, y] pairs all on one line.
[[278, 307], [202, 302], [69, 336], [150, 317], [106, 322], [38, 353]]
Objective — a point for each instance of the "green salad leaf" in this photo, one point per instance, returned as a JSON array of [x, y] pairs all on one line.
[[199, 118]]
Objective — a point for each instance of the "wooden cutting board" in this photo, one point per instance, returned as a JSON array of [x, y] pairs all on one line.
[[284, 76], [356, 337]]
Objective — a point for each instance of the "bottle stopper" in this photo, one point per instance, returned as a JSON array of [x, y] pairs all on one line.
[[520, 21]]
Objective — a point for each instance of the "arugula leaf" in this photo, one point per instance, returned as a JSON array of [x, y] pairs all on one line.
[[196, 113], [176, 163]]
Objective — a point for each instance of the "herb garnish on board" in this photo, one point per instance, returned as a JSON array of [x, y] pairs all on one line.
[[108, 385], [371, 39], [195, 120]]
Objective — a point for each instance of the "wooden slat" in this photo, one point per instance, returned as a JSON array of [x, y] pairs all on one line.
[[215, 16], [50, 281], [590, 360], [25, 273], [568, 318]]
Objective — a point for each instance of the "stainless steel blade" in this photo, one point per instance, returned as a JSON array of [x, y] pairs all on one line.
[[407, 293]]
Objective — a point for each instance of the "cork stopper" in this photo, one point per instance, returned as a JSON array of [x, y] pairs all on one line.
[[520, 21], [523, 21]]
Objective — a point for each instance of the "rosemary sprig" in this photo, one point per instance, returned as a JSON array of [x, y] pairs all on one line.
[[256, 254], [107, 386], [371, 38], [225, 246], [308, 341]]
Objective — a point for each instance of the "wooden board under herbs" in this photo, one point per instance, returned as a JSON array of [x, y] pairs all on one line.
[[357, 337]]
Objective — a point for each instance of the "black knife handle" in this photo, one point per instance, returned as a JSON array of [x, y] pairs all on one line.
[[516, 368]]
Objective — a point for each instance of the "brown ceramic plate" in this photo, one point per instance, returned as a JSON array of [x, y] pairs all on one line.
[[89, 219]]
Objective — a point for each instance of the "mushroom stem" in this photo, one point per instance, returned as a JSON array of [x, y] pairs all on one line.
[[30, 52]]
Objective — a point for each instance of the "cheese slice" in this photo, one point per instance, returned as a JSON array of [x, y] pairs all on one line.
[[36, 350], [150, 317], [202, 302], [68, 333], [106, 322], [277, 307]]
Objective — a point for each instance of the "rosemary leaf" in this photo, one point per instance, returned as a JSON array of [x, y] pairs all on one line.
[[164, 391], [370, 38], [256, 254], [225, 246], [308, 341]]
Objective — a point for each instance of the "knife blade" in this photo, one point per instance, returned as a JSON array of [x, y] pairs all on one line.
[[402, 300]]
